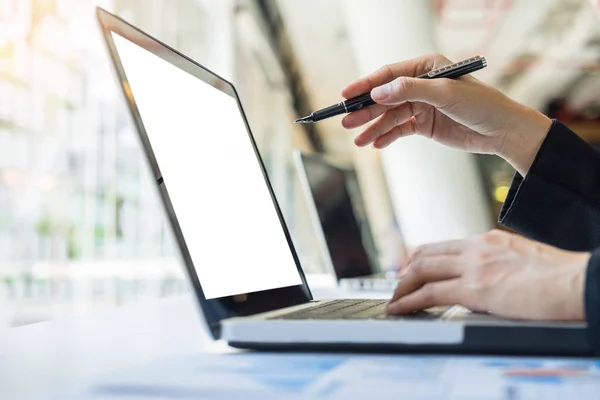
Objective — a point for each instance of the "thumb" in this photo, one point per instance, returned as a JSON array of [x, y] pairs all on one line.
[[435, 92]]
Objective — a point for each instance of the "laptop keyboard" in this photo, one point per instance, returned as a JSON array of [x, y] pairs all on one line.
[[354, 309]]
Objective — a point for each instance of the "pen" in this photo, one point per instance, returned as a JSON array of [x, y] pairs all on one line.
[[451, 71]]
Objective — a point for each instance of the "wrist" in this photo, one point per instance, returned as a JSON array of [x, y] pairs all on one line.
[[522, 142]]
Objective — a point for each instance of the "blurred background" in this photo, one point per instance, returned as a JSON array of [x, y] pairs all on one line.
[[81, 226]]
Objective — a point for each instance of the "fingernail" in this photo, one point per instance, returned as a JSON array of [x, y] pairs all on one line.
[[381, 92]]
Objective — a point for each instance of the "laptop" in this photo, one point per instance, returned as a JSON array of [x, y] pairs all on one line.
[[234, 242], [336, 212]]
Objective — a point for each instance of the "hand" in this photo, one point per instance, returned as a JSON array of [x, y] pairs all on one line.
[[498, 272], [464, 113]]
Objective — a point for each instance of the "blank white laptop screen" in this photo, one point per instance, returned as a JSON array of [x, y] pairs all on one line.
[[212, 175]]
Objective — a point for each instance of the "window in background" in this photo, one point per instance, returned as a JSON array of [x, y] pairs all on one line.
[[81, 225]]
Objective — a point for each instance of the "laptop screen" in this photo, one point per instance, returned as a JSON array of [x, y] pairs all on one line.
[[213, 177], [225, 218], [342, 229]]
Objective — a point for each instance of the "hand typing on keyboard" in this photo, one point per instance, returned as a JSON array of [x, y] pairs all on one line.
[[498, 272]]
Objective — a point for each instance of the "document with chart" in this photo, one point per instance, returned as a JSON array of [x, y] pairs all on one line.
[[323, 376]]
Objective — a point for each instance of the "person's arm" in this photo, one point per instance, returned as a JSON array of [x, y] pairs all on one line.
[[498, 272], [558, 201], [507, 275]]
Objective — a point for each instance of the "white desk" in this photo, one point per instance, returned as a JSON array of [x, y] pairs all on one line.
[[46, 358], [42, 358], [54, 354]]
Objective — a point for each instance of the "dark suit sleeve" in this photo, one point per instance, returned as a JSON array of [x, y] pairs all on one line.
[[558, 203], [592, 299]]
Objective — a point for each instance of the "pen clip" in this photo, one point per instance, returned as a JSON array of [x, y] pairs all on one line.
[[454, 66]]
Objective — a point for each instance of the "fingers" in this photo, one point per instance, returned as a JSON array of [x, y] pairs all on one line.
[[392, 118], [403, 130], [428, 269], [435, 92], [388, 73], [445, 293], [361, 117]]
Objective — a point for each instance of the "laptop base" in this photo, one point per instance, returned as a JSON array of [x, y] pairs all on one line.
[[478, 340]]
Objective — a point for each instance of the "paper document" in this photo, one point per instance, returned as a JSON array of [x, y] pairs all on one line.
[[325, 376]]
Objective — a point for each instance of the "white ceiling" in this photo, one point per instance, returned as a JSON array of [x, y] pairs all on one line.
[[536, 49]]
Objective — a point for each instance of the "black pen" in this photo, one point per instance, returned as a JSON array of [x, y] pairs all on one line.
[[451, 71]]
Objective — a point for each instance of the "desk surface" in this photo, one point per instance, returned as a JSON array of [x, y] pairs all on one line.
[[47, 358], [57, 353]]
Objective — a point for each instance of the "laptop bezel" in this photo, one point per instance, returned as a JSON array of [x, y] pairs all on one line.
[[214, 310]]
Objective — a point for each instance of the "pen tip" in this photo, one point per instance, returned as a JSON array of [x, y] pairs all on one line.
[[303, 120]]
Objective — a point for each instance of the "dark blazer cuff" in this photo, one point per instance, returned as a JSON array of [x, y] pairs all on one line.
[[563, 156], [558, 202], [510, 204], [592, 300]]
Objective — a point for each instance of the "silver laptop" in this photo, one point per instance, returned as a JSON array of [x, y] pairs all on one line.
[[234, 241], [336, 212]]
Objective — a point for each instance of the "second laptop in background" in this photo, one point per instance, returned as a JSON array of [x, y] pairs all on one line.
[[336, 210]]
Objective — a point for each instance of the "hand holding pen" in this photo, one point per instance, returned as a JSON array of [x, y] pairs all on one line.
[[450, 71], [465, 114]]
